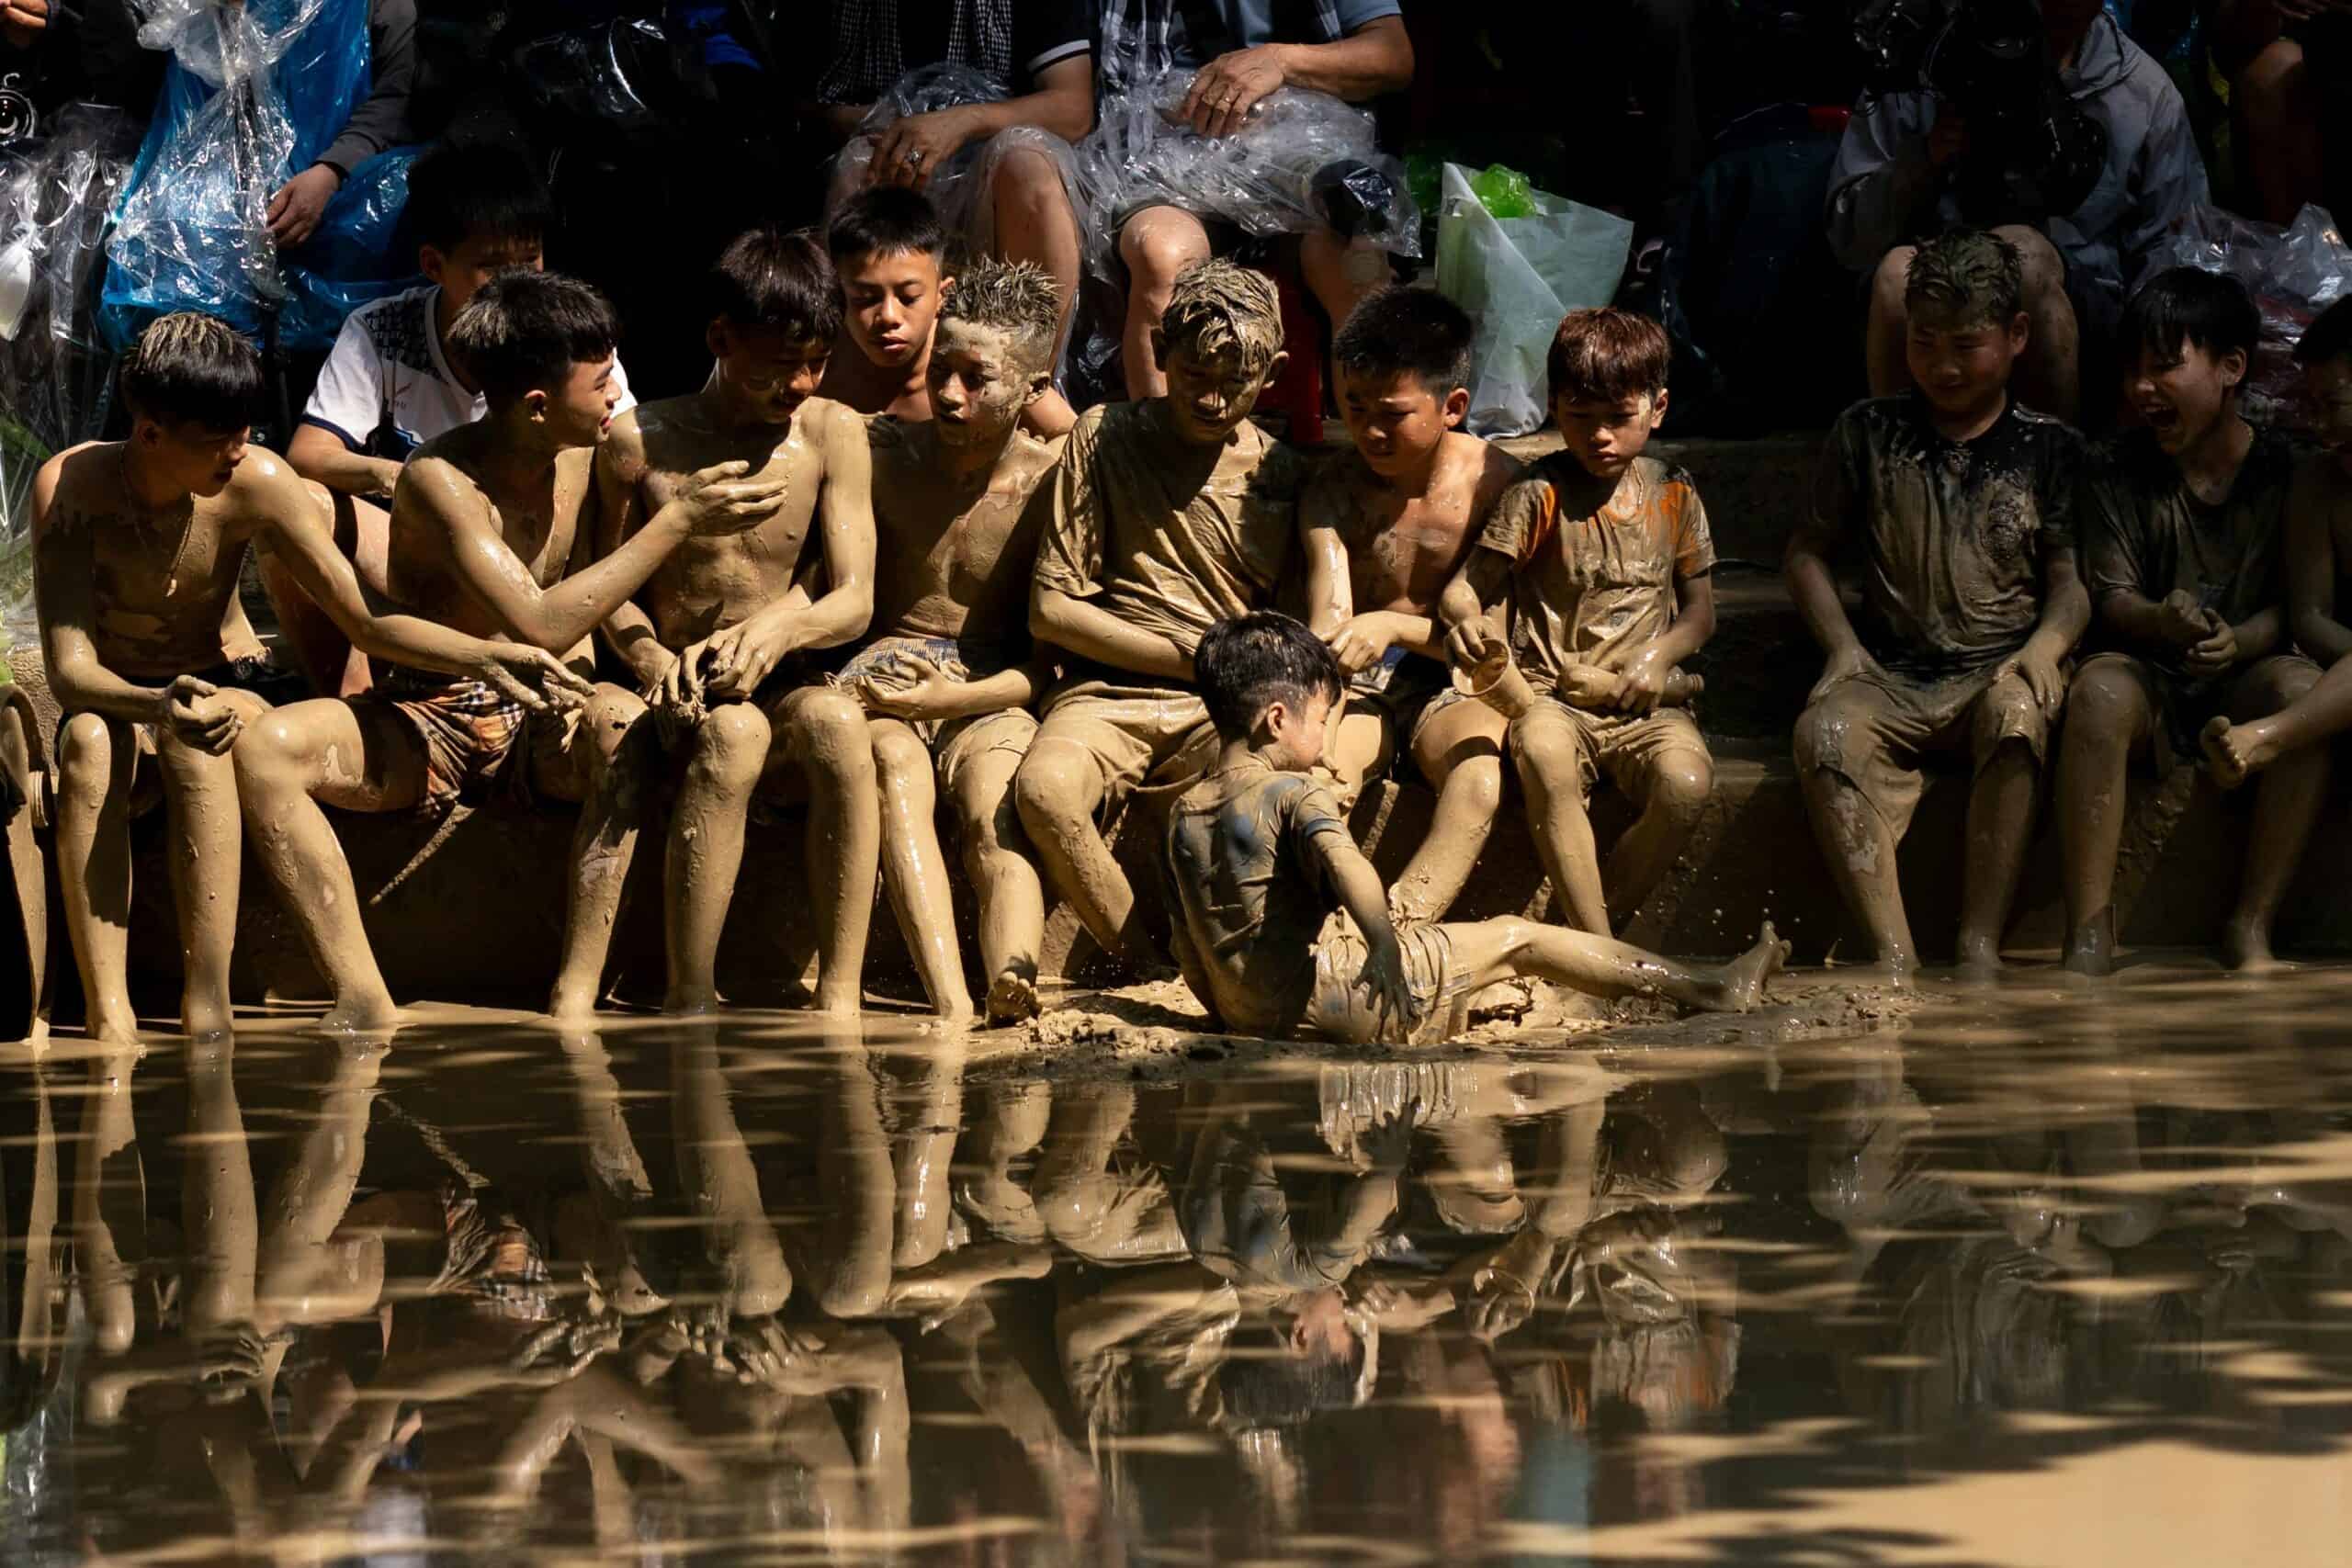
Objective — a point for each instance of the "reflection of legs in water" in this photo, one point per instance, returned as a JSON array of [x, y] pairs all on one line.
[[1102, 1214], [841, 1250], [930, 1110], [594, 1228], [217, 1209], [1012, 1121], [109, 1203], [714, 1172], [321, 1258], [1487, 951]]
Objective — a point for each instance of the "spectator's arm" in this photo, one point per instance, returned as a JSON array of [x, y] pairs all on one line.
[[1885, 181], [915, 147], [318, 453], [381, 121], [1377, 58], [22, 22], [2168, 180], [343, 414]]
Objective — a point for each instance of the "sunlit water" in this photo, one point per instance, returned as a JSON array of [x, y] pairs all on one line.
[[2035, 1276]]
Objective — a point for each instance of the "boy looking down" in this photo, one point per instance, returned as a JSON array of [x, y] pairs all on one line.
[[1959, 506], [889, 250], [1166, 517], [2182, 526], [1259, 859], [136, 549], [487, 526], [1601, 561], [948, 681], [1404, 506], [721, 635]]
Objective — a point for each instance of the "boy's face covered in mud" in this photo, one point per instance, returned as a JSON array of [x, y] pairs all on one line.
[[1396, 420], [1210, 395], [189, 457], [893, 298], [2330, 384], [1961, 360], [2182, 396], [580, 410], [769, 372], [1604, 435], [979, 382]]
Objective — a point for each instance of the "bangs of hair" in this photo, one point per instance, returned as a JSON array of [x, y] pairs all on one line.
[[483, 191], [1247, 664], [524, 330], [886, 220], [1019, 298], [1408, 331], [1608, 356], [191, 368], [2187, 305], [1219, 308], [779, 281]]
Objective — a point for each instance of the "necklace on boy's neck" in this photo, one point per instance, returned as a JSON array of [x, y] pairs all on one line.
[[139, 512]]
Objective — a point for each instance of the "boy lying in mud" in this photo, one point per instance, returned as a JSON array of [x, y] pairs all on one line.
[[1259, 857]]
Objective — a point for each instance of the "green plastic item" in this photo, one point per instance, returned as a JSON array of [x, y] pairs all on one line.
[[1423, 175], [1503, 191]]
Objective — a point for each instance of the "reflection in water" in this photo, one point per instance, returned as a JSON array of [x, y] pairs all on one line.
[[751, 1289]]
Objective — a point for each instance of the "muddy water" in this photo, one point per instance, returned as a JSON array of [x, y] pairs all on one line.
[[2027, 1277]]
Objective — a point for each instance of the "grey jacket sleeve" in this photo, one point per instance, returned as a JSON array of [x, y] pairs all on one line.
[[382, 120], [2170, 180], [1882, 188]]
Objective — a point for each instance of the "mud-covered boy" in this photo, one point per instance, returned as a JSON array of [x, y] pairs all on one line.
[[1405, 505], [889, 250], [722, 637], [491, 532], [1956, 508], [1166, 517], [1601, 561], [948, 679]]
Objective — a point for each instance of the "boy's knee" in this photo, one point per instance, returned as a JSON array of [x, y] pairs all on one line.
[[1027, 179], [2045, 268], [272, 750], [1477, 785], [2102, 706], [2280, 682], [1157, 244], [899, 752], [1681, 784], [834, 739], [84, 759], [1050, 790], [2265, 80], [1547, 748], [1892, 282]]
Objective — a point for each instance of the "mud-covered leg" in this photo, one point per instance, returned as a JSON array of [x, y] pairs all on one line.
[[1675, 788], [2107, 718], [2286, 805], [1460, 751], [1551, 758], [2008, 737], [914, 868], [607, 764], [826, 734], [725, 758], [1058, 790], [1012, 895], [1489, 951], [95, 763], [1855, 838], [207, 861]]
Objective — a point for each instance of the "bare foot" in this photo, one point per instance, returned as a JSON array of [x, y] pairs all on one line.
[[572, 1004], [2246, 947], [2090, 947], [690, 1001], [999, 1203], [1978, 962], [1744, 976], [1012, 998], [205, 1018], [2235, 752], [362, 1015]]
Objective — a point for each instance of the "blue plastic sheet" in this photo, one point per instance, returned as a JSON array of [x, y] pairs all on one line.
[[359, 253]]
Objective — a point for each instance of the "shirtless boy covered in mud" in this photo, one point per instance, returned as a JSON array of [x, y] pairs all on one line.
[[720, 636], [948, 679], [137, 549], [1405, 506], [889, 250], [2181, 530], [1167, 516], [488, 524], [1601, 558], [1960, 506], [1259, 859]]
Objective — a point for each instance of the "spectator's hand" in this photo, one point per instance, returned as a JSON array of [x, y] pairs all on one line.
[[912, 149], [23, 21], [2183, 620], [198, 716], [2217, 652], [1642, 672], [294, 212], [1228, 88], [1362, 641], [1947, 138], [1844, 665]]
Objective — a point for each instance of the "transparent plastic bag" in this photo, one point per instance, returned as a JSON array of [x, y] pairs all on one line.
[[2293, 274], [256, 92], [1305, 162], [355, 256]]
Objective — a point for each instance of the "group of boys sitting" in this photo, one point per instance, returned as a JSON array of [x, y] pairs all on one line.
[[848, 571]]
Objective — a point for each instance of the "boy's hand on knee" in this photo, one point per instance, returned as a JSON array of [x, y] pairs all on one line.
[[743, 655], [1844, 664], [2041, 675], [198, 716], [1641, 674]]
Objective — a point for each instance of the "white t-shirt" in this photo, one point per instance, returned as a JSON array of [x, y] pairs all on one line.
[[386, 389]]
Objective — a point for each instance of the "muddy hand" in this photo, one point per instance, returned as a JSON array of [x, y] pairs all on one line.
[[535, 678], [198, 717], [719, 500], [2182, 619], [2217, 652], [680, 689], [1358, 644], [919, 690], [1468, 644], [744, 655], [2041, 676], [1382, 979], [1843, 665]]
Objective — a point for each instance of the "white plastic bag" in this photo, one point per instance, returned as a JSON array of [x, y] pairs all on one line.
[[1516, 277]]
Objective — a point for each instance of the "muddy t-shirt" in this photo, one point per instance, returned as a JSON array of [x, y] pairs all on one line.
[[1252, 894], [1950, 539], [1241, 1223], [1596, 563], [2146, 532], [1169, 536]]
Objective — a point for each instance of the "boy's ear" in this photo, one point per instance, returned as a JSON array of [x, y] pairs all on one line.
[[1455, 408], [431, 262], [947, 282], [535, 404], [2233, 368], [1040, 384], [2021, 331], [1658, 408], [715, 337], [1273, 369]]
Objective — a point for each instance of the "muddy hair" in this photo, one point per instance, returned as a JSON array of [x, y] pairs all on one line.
[[1606, 356], [2328, 337], [1264, 1385], [1218, 306], [191, 368], [1968, 275], [778, 281], [526, 331], [2185, 305], [1019, 298], [887, 220], [462, 191], [1408, 331], [1247, 664]]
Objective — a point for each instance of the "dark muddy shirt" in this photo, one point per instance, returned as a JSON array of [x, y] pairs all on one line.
[[1596, 563], [2147, 533], [1949, 540], [1240, 1221], [1251, 892]]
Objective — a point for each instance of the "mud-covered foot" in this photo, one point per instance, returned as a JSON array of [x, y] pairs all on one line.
[[2246, 947], [204, 1019], [848, 1003], [690, 1002], [1744, 976], [1977, 963], [2090, 947], [572, 1004], [2235, 752], [362, 1015], [1012, 998], [997, 1203]]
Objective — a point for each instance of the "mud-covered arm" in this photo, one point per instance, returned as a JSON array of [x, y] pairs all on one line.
[[2311, 567], [438, 501], [620, 513], [1330, 594], [64, 559], [1063, 605], [1477, 603], [803, 617]]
